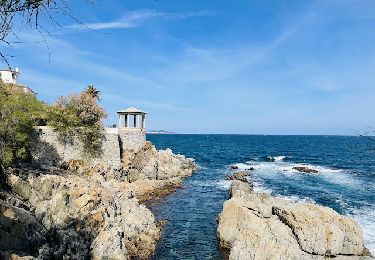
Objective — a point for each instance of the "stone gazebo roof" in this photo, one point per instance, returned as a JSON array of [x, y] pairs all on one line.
[[131, 111], [139, 117]]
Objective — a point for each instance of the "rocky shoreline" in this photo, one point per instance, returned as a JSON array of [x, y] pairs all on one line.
[[259, 226], [87, 211]]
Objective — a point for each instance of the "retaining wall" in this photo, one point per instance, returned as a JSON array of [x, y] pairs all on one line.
[[48, 150]]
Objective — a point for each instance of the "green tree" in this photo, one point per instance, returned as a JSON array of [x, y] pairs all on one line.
[[19, 112], [92, 91], [79, 115]]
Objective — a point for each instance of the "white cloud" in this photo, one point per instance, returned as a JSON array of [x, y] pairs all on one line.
[[135, 18]]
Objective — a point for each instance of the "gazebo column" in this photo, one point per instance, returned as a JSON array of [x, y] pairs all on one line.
[[143, 121], [126, 120], [119, 120]]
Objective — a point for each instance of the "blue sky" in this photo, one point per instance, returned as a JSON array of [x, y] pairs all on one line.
[[243, 66]]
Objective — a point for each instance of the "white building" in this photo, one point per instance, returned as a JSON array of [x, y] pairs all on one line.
[[9, 76]]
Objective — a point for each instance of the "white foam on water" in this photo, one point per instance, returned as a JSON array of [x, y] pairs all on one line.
[[297, 199], [224, 184], [366, 218], [242, 166], [259, 188], [335, 176], [279, 158]]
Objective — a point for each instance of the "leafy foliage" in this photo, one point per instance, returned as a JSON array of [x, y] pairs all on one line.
[[79, 115], [75, 115], [92, 91], [19, 112]]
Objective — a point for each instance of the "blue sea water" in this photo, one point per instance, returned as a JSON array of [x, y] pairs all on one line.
[[345, 182]]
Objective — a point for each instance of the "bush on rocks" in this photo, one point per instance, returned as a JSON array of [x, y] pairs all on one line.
[[81, 115], [19, 112]]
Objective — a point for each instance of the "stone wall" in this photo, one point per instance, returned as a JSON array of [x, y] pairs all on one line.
[[48, 150]]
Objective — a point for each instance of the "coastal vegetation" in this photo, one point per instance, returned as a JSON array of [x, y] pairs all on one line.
[[19, 112], [77, 114]]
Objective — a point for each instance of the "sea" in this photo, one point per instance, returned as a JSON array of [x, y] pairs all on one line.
[[345, 182]]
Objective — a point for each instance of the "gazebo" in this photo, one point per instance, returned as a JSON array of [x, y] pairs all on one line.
[[139, 118]]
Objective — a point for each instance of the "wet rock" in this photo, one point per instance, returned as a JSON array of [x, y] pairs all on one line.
[[259, 226], [241, 176], [304, 169], [234, 167]]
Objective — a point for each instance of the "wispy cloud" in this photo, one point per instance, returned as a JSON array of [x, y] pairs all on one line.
[[136, 18]]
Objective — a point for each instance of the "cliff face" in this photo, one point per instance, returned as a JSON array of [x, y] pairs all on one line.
[[259, 226], [87, 210]]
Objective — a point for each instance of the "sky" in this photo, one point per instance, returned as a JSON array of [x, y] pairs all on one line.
[[238, 67]]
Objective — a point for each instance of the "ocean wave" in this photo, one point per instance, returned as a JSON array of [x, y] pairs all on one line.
[[276, 158], [259, 188], [296, 199], [335, 176], [242, 166], [200, 167]]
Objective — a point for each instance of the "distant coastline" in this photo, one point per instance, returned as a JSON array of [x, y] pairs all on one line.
[[159, 132]]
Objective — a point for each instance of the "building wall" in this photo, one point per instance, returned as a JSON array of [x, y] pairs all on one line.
[[7, 77], [48, 150]]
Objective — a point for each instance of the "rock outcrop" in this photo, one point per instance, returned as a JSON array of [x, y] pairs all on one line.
[[241, 176], [150, 164], [259, 226], [87, 211], [305, 169]]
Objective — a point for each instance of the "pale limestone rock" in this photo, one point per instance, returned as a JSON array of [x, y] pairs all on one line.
[[107, 245], [149, 163], [259, 226], [321, 230], [92, 211]]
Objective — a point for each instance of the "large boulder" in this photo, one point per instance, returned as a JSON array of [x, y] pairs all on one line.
[[148, 163], [259, 226], [20, 230], [321, 230]]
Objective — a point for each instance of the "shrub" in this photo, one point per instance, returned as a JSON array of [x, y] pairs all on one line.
[[79, 115], [19, 112]]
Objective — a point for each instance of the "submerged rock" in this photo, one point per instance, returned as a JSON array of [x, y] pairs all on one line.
[[259, 226], [304, 169]]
